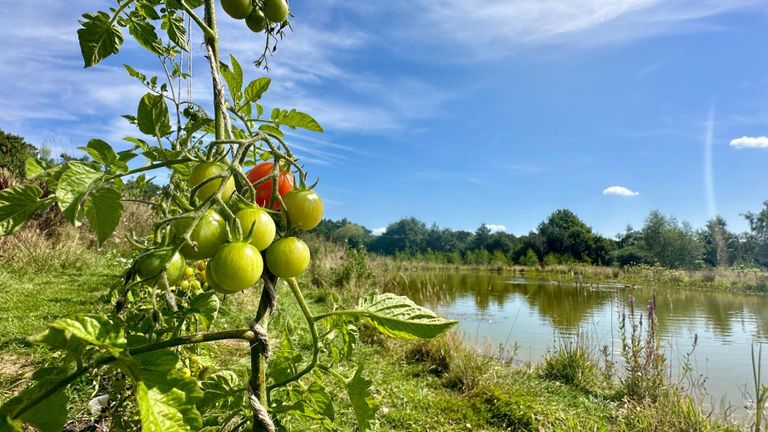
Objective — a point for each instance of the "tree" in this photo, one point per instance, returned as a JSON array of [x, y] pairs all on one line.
[[670, 243], [717, 243], [14, 152], [565, 234], [407, 235]]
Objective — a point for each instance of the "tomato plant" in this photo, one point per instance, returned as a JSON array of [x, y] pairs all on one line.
[[261, 176], [304, 207], [137, 347]]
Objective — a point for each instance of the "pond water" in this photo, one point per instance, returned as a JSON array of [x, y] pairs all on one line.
[[496, 310]]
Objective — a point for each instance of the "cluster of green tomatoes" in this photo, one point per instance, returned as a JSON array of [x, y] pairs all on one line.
[[227, 263], [257, 13]]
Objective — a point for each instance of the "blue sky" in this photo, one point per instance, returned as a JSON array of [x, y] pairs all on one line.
[[464, 112]]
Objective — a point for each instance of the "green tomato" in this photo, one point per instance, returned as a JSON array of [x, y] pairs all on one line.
[[275, 11], [288, 257], [256, 21], [262, 223], [305, 208], [205, 170], [209, 233], [151, 266], [237, 9], [235, 267]]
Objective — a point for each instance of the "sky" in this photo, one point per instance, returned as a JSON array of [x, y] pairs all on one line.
[[462, 112]]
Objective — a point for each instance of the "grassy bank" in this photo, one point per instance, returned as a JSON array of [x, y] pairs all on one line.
[[720, 279], [440, 385]]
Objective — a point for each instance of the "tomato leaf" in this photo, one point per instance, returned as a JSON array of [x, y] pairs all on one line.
[[18, 204], [144, 33], [165, 397], [296, 119], [50, 414], [99, 38], [103, 210], [271, 130], [174, 25], [32, 168], [102, 152], [398, 316], [363, 402], [234, 78], [72, 187], [95, 330], [152, 117], [256, 89], [221, 388], [205, 307]]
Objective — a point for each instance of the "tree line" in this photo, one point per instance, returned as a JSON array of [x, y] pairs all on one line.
[[563, 238]]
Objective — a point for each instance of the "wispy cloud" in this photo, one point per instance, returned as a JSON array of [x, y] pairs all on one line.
[[620, 191], [750, 142]]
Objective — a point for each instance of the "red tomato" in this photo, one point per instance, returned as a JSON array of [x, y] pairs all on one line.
[[264, 190]]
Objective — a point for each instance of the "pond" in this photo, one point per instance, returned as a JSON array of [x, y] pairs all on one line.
[[505, 314]]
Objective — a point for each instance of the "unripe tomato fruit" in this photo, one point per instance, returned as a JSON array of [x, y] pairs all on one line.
[[151, 266], [256, 21], [209, 234], [237, 9], [287, 257], [262, 223], [235, 267], [264, 190], [203, 171], [276, 10], [305, 208]]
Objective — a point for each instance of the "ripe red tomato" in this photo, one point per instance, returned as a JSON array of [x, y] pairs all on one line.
[[285, 183]]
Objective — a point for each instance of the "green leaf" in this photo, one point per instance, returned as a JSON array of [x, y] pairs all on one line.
[[147, 9], [103, 210], [99, 38], [363, 402], [398, 316], [134, 73], [144, 33], [102, 152], [50, 414], [174, 25], [152, 116], [205, 307], [221, 388], [72, 187], [58, 339], [256, 89], [165, 397], [17, 205], [234, 78], [271, 130], [296, 119], [95, 330], [32, 168], [320, 400]]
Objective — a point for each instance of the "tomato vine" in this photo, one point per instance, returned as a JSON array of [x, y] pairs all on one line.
[[163, 305]]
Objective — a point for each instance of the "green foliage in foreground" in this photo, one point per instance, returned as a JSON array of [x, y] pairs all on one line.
[[419, 386]]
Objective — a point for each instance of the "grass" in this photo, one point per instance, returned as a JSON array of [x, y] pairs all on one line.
[[438, 385]]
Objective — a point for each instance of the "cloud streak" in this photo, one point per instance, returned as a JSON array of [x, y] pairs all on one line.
[[619, 191], [750, 142]]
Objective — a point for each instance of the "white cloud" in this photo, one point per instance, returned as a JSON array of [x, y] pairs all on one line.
[[496, 228], [750, 142], [379, 231], [620, 191]]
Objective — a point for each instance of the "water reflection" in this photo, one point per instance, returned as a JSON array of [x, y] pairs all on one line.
[[502, 310]]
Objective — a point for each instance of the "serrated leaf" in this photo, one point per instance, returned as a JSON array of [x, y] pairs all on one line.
[[256, 89], [296, 119], [72, 187], [166, 398], [134, 73], [102, 152], [321, 401], [271, 130], [363, 402], [99, 38], [103, 210], [174, 25], [398, 316], [147, 9], [205, 307], [58, 339], [220, 388], [144, 33], [152, 117], [17, 205], [234, 78], [96, 330]]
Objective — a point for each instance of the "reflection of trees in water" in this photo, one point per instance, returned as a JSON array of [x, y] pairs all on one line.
[[568, 308]]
